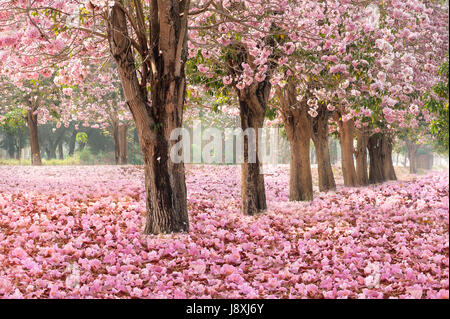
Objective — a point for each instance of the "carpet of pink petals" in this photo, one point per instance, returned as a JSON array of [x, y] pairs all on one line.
[[76, 232]]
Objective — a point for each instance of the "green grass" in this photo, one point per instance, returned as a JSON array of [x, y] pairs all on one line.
[[70, 160], [14, 162], [83, 157]]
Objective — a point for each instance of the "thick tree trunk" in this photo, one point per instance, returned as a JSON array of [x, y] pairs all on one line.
[[34, 141], [53, 144], [320, 139], [388, 165], [412, 152], [361, 158], [376, 171], [380, 152], [300, 177], [123, 144], [346, 131], [253, 194], [164, 180], [298, 125], [252, 104], [324, 168]]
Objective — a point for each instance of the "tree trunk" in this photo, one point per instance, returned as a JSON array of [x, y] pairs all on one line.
[[253, 194], [381, 165], [346, 131], [298, 127], [376, 171], [252, 104], [320, 139], [11, 144], [164, 180], [34, 141], [412, 152], [388, 165], [324, 168], [53, 144], [19, 149], [123, 144], [300, 177], [361, 157]]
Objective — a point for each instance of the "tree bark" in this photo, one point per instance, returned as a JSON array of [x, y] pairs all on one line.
[[298, 127], [361, 157], [388, 165], [123, 144], [53, 144], [252, 105], [346, 131], [11, 144], [34, 141], [412, 154], [300, 177], [164, 180], [376, 171], [381, 165], [320, 140]]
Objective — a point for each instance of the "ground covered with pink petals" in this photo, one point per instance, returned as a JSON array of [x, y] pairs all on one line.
[[77, 232]]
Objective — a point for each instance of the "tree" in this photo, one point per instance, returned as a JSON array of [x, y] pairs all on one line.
[[437, 104], [34, 98], [150, 35], [298, 127], [237, 42], [156, 113], [13, 127]]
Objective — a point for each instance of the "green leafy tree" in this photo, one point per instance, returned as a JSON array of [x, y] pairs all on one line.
[[437, 104]]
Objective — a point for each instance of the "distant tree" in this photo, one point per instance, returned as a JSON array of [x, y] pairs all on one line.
[[437, 104]]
